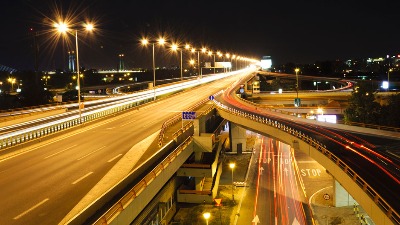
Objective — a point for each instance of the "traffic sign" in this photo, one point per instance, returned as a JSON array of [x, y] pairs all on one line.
[[188, 115], [218, 201], [327, 197], [297, 102], [211, 97]]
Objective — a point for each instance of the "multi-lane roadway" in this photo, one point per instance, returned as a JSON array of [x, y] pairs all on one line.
[[42, 182]]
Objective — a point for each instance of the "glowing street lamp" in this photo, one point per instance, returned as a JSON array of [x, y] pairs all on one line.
[[232, 166], [12, 81], [390, 70], [206, 216], [210, 53], [297, 100], [46, 78], [63, 28], [145, 42]]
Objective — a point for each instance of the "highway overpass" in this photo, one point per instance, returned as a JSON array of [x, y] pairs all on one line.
[[103, 131]]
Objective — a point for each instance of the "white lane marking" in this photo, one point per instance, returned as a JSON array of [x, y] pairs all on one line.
[[59, 152], [91, 153], [88, 174], [30, 209], [128, 123], [150, 124], [114, 158], [66, 136]]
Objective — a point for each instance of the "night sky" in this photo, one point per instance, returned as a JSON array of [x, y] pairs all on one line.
[[297, 31]]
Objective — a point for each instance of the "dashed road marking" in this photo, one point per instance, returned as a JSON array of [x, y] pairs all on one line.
[[88, 174], [30, 209], [114, 158], [59, 152]]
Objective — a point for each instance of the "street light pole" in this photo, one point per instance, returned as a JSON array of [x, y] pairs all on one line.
[[214, 63], [63, 28], [232, 166], [161, 41], [154, 73], [181, 67], [198, 63], [78, 76], [297, 82], [390, 70]]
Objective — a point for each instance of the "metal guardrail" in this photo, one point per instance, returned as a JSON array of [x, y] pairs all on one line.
[[177, 117], [29, 134], [121, 204], [382, 204], [365, 125], [372, 126]]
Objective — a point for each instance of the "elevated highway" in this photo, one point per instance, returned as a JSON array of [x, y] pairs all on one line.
[[369, 174], [71, 154], [44, 179]]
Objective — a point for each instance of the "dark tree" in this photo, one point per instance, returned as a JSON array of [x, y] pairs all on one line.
[[362, 106], [391, 111]]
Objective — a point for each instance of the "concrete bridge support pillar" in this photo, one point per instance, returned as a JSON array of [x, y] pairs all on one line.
[[199, 183], [341, 196], [237, 136]]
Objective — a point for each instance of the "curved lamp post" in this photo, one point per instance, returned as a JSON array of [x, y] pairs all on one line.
[[145, 42], [174, 47], [64, 28]]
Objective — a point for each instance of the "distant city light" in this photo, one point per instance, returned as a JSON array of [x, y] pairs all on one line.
[[385, 85]]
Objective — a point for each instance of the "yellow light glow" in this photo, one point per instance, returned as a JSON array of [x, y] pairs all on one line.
[[89, 26], [174, 47], [161, 41], [61, 27], [231, 165], [144, 41], [206, 215]]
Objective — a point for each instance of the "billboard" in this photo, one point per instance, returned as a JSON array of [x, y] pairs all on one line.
[[266, 63], [223, 65]]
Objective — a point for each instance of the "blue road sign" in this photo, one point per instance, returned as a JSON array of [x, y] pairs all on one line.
[[188, 115], [297, 102], [211, 97]]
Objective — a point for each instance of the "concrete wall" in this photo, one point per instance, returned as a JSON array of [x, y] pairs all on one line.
[[237, 136], [139, 203], [342, 197]]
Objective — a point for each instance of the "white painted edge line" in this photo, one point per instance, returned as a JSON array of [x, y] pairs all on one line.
[[30, 209]]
